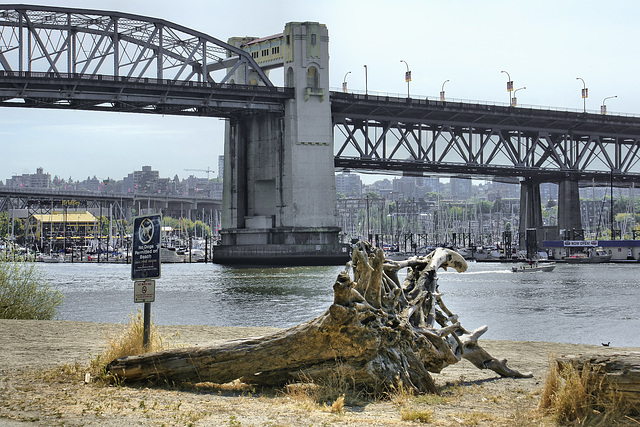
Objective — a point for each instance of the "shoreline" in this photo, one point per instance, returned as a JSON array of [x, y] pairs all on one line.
[[34, 390], [49, 343]]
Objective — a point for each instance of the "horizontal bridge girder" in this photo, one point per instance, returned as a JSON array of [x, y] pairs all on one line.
[[137, 94]]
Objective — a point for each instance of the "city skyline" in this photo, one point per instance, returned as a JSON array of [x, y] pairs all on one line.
[[466, 44]]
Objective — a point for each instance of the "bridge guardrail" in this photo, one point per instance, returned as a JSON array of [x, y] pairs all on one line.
[[372, 95], [286, 91]]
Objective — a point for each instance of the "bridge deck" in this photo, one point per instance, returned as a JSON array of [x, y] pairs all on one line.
[[140, 95]]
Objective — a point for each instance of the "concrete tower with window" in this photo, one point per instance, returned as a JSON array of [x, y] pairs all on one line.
[[279, 189]]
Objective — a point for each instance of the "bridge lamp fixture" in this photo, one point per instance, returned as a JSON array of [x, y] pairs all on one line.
[[407, 77], [442, 91], [603, 107], [585, 94], [366, 80], [344, 81], [514, 100], [509, 85]]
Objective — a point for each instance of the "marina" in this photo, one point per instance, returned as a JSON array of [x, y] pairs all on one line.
[[582, 304]]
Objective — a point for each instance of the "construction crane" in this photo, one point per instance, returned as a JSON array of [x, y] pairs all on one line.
[[207, 170]]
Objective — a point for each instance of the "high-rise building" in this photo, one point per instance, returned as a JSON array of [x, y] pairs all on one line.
[[30, 180], [348, 184], [220, 167], [143, 181]]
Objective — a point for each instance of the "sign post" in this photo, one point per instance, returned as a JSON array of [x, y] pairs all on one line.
[[145, 264]]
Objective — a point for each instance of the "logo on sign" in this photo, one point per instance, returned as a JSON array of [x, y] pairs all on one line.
[[146, 231]]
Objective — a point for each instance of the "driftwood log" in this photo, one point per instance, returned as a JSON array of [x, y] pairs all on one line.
[[388, 334], [619, 372]]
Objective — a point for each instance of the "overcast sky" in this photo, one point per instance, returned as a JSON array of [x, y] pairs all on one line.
[[544, 45]]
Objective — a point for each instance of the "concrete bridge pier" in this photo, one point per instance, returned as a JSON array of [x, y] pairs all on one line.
[[569, 216], [530, 209], [279, 197]]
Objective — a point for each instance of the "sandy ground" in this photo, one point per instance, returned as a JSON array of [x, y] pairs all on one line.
[[36, 389]]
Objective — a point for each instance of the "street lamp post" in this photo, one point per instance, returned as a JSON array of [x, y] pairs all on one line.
[[407, 77], [585, 94], [366, 80], [509, 85], [603, 107], [344, 81], [442, 91], [514, 100]]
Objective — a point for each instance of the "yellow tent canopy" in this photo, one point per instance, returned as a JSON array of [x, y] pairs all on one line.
[[70, 217]]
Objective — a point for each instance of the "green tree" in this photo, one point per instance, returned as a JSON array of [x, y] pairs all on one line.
[[25, 294], [485, 206], [5, 227]]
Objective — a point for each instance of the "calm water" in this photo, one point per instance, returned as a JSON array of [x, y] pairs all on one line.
[[587, 304]]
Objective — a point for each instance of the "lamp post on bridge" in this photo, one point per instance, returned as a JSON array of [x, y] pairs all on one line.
[[407, 76], [344, 81], [514, 100], [509, 85], [366, 80], [585, 94], [442, 90], [603, 107]]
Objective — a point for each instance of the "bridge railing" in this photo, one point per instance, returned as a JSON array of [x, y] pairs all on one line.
[[418, 99], [287, 92]]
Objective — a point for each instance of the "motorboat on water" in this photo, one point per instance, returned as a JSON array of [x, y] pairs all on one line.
[[534, 267], [593, 256], [171, 255], [50, 258]]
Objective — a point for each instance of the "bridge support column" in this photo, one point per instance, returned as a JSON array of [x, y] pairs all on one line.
[[279, 197], [569, 215], [530, 209]]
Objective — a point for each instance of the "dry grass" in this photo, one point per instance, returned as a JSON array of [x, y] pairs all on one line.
[[129, 343], [420, 415], [580, 396]]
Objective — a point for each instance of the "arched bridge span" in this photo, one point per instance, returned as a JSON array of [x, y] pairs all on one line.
[[54, 57]]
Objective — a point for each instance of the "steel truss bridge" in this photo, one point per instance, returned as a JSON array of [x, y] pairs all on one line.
[[68, 58], [40, 200], [54, 57], [425, 136]]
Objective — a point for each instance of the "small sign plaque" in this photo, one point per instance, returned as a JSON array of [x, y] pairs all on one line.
[[144, 290]]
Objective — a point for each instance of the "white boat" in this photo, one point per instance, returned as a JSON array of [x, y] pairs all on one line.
[[534, 267], [194, 255], [466, 253], [483, 253], [594, 256], [171, 255], [50, 258]]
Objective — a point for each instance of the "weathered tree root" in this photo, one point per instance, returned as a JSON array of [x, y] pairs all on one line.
[[389, 334]]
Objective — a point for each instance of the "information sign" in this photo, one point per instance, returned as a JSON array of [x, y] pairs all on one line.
[[144, 290], [579, 243], [145, 254]]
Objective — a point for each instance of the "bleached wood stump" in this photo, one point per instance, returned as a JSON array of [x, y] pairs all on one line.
[[619, 371], [386, 333]]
